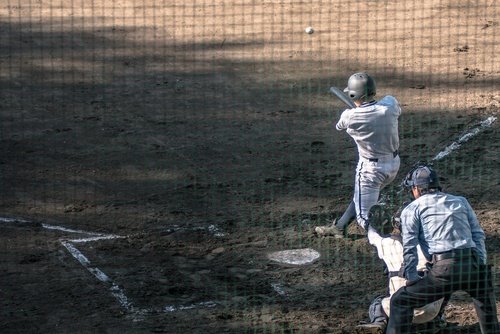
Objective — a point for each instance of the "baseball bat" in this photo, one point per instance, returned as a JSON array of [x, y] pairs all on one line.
[[342, 97]]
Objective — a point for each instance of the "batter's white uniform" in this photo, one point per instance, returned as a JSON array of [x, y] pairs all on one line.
[[374, 128]]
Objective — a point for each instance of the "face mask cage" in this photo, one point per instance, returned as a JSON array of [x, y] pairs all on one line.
[[408, 182]]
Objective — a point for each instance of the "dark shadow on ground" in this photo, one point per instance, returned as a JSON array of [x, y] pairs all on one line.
[[99, 132]]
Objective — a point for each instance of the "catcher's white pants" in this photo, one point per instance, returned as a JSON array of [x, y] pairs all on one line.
[[371, 177]]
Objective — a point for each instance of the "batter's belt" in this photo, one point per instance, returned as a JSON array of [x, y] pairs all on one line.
[[394, 154]]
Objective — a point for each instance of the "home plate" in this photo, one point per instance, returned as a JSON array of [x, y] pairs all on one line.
[[295, 256]]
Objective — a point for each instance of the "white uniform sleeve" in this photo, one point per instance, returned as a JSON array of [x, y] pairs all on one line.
[[343, 122], [392, 101]]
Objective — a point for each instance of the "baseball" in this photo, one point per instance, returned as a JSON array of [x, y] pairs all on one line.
[[309, 30]]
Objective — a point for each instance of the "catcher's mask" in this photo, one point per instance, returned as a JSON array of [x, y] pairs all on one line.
[[423, 176]]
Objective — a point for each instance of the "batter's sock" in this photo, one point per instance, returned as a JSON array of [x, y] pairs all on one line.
[[347, 217]]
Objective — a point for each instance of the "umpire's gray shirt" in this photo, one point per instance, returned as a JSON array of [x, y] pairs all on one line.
[[439, 222]]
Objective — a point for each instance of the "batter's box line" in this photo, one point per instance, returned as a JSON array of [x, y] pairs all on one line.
[[135, 313], [212, 229], [475, 130]]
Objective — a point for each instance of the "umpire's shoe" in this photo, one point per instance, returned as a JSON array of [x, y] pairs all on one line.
[[371, 328], [331, 230]]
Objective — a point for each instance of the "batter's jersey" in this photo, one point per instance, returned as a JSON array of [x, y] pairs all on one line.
[[373, 126]]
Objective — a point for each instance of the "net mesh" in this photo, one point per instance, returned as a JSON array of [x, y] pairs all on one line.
[[202, 133]]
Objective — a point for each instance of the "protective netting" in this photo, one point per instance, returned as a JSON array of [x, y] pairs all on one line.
[[155, 153]]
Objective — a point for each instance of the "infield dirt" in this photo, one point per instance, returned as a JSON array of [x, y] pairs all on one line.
[[203, 132]]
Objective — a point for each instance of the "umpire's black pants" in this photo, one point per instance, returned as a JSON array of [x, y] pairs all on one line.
[[445, 277]]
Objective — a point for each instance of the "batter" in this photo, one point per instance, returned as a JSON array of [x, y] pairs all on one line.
[[373, 125]]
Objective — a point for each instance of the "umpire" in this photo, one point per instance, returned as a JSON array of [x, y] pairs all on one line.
[[451, 238]]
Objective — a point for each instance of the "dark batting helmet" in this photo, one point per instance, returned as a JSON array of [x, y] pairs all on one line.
[[422, 176], [361, 86]]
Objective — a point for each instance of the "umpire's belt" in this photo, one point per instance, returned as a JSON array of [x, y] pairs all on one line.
[[453, 254], [394, 154]]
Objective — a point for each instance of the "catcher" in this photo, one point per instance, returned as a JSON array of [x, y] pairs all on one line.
[[448, 232], [387, 239]]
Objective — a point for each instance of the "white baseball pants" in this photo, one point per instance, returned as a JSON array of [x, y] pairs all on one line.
[[371, 176]]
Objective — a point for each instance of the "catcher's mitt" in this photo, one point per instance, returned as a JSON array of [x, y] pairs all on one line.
[[380, 220], [396, 218]]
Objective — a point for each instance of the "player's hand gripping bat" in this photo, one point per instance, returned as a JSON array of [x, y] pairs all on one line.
[[342, 97]]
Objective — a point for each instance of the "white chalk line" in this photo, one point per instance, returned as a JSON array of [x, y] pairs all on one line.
[[69, 230], [136, 314], [172, 308], [104, 237], [12, 220], [94, 236], [279, 289], [466, 137], [116, 291], [455, 146], [216, 231], [212, 229]]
